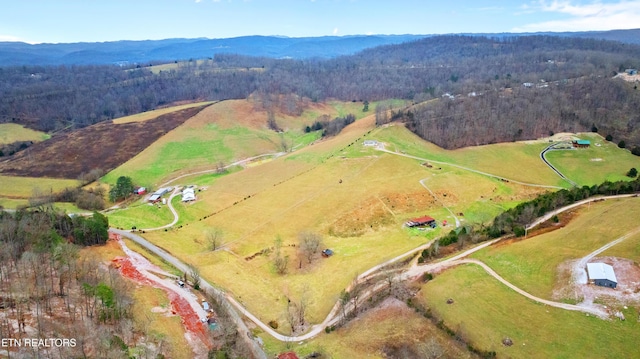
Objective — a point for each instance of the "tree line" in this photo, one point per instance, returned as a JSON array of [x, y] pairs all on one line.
[[53, 98], [46, 286]]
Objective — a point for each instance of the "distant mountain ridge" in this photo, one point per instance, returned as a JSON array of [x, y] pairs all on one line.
[[141, 52], [19, 53]]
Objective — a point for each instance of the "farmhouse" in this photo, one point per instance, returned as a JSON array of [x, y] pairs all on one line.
[[581, 143], [421, 221], [602, 274], [370, 143], [188, 194]]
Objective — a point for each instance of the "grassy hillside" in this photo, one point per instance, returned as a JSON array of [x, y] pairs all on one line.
[[485, 312], [594, 226], [602, 161], [223, 133], [15, 191], [515, 160], [11, 132], [382, 332], [355, 196]]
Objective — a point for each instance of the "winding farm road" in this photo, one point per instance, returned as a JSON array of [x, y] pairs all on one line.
[[381, 148], [599, 312], [334, 316], [544, 159]]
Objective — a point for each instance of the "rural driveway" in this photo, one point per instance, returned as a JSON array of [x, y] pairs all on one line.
[[243, 331], [333, 316], [586, 309], [544, 159], [467, 169]]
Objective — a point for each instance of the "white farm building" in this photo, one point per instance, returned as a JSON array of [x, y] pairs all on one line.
[[188, 194], [602, 274]]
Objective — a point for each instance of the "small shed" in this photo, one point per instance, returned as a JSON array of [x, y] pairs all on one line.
[[421, 221], [581, 143], [602, 274], [140, 190], [370, 143]]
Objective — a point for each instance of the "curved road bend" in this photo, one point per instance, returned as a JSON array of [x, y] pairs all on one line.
[[333, 316], [467, 169], [601, 313], [242, 327], [544, 159]]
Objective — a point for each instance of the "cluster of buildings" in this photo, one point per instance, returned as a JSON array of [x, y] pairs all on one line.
[[188, 194]]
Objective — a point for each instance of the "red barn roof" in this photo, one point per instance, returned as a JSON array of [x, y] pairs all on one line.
[[288, 355], [424, 219]]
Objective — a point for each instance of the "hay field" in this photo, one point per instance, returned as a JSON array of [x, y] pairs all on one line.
[[596, 164], [23, 187], [224, 132], [593, 227], [11, 132], [360, 218], [150, 115], [485, 312], [514, 160]]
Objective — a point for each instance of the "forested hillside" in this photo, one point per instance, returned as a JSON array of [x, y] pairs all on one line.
[[569, 86]]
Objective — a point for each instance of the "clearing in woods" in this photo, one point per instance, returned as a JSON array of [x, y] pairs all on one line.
[[11, 132]]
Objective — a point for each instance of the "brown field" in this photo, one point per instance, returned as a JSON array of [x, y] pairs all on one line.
[[104, 145]]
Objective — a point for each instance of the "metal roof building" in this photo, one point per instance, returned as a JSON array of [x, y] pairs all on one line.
[[602, 274]]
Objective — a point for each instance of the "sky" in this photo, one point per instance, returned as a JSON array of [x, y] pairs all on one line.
[[66, 21]]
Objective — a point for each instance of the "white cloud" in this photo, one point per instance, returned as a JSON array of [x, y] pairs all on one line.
[[11, 38], [198, 1], [335, 31], [595, 15]]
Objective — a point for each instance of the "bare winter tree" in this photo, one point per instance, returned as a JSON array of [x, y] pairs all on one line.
[[310, 244], [194, 272], [214, 238], [280, 261]]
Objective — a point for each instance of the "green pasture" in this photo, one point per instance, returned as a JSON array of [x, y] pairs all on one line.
[[11, 132], [141, 216], [514, 160], [629, 248], [595, 164], [485, 312], [596, 225], [225, 132], [150, 115], [303, 191], [24, 187]]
